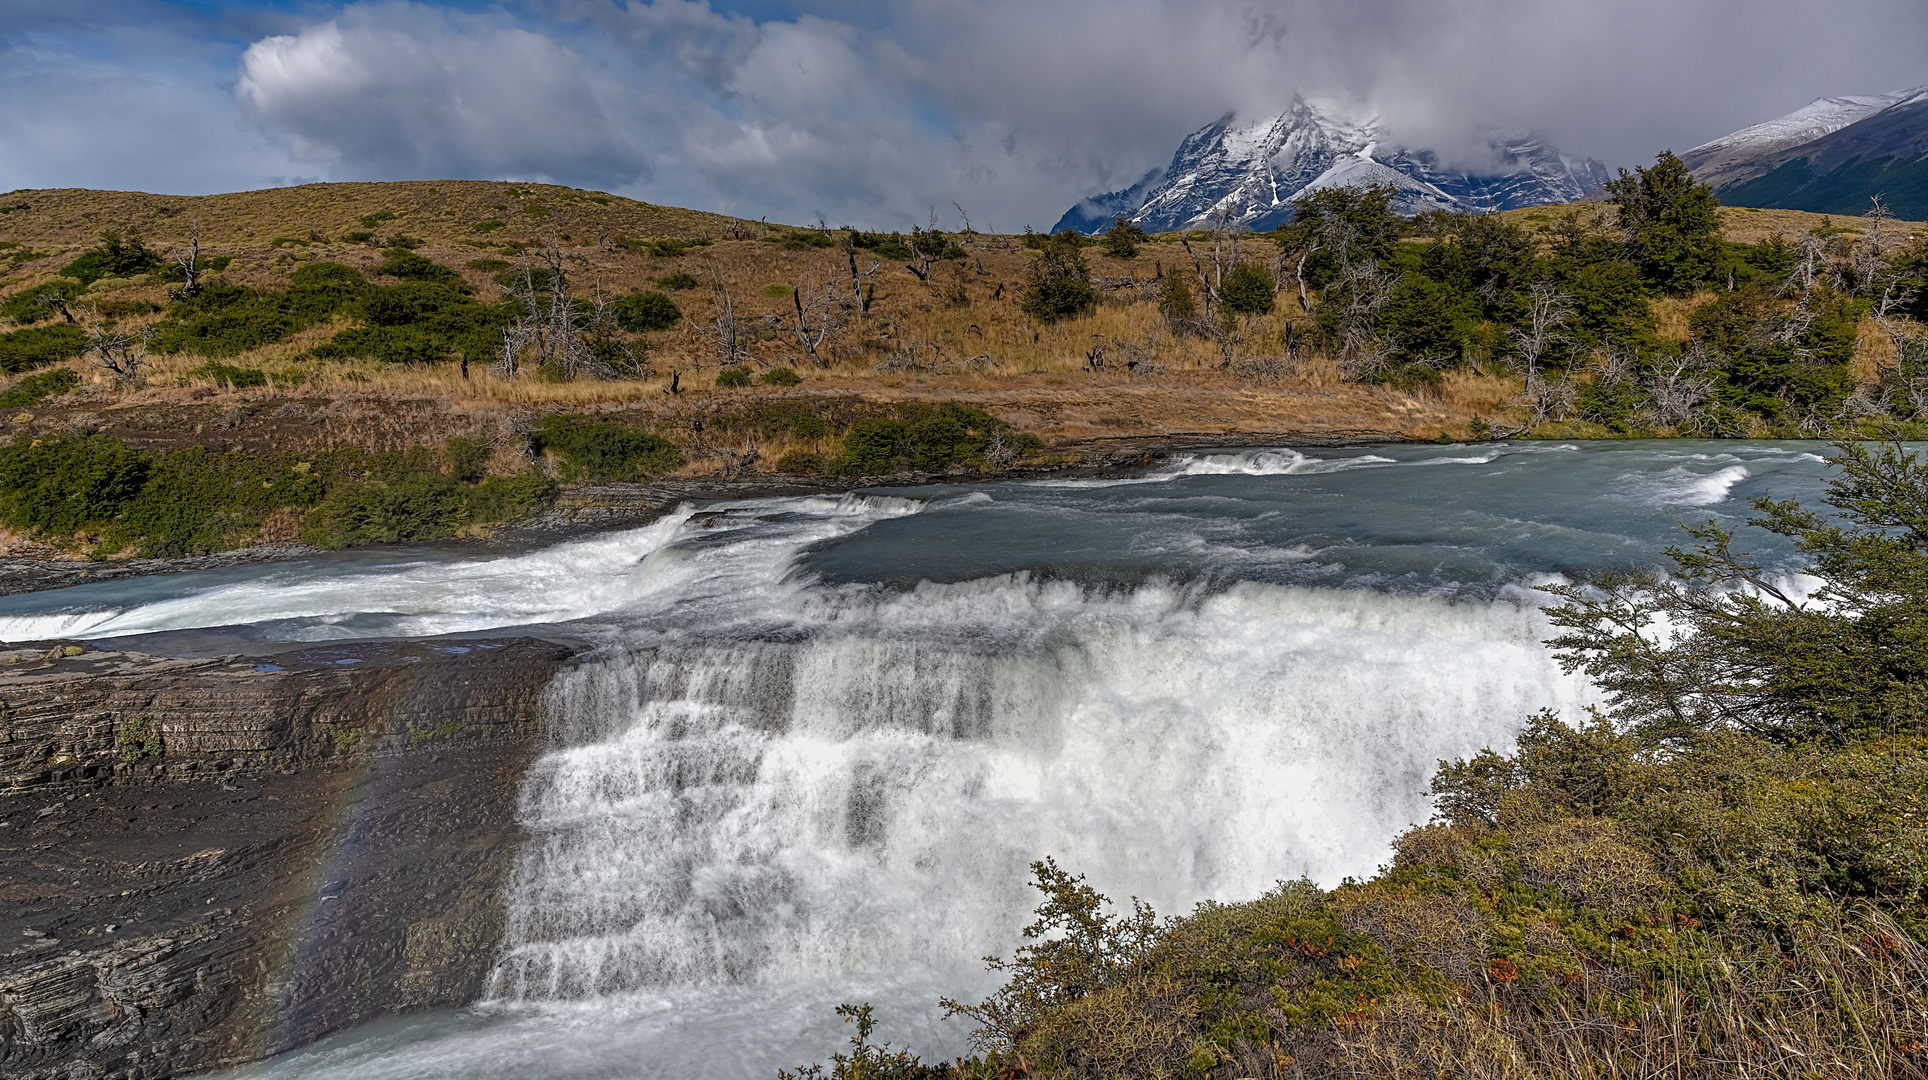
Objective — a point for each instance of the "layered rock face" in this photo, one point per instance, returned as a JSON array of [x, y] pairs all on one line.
[[207, 861]]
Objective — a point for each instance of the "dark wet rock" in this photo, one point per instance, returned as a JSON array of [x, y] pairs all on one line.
[[207, 861]]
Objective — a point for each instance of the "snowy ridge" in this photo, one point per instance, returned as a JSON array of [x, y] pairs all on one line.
[[1753, 151], [1255, 169]]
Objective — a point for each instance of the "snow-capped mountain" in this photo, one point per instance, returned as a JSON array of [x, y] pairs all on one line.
[[1727, 159], [1256, 168], [1855, 148]]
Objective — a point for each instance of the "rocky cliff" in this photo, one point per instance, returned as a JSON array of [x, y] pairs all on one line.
[[207, 861]]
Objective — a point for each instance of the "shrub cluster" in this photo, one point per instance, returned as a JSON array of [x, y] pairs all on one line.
[[38, 346], [929, 439], [188, 501], [601, 451], [36, 388]]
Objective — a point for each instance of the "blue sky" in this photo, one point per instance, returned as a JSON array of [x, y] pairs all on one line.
[[869, 112]]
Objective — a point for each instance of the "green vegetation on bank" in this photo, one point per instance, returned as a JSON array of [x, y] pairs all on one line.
[[1724, 873], [112, 498]]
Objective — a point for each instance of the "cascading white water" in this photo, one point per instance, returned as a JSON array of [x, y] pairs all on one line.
[[864, 790]]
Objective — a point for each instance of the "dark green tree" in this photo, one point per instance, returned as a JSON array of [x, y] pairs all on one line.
[[1247, 290], [1722, 643], [1123, 237], [1671, 223], [1058, 285]]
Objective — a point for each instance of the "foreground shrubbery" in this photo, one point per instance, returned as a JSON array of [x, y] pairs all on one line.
[[1724, 875], [115, 498]]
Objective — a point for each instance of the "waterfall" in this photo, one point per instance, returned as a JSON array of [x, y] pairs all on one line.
[[861, 785]]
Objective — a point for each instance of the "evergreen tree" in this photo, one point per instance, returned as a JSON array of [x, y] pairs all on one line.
[[1671, 223]]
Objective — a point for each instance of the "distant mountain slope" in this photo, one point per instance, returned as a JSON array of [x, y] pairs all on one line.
[[1256, 168], [1875, 145]]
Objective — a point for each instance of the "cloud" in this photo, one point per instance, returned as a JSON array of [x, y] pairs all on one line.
[[871, 113], [405, 90]]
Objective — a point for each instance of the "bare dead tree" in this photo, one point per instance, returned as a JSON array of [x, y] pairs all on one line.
[[554, 332], [122, 353], [1547, 312], [190, 263], [58, 300], [1871, 254], [726, 331], [1681, 386], [819, 314], [858, 295], [968, 231]]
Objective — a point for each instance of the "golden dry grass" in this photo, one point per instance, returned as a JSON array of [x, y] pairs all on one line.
[[1066, 382]]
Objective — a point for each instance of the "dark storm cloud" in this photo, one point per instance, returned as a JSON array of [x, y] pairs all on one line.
[[871, 113]]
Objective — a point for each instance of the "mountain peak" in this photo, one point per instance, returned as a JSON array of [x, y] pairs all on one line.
[[1255, 168]]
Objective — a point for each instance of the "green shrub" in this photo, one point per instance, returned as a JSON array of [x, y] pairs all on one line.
[[412, 267], [63, 482], [488, 226], [34, 388], [1058, 285], [1247, 290], [926, 439], [119, 255], [38, 346], [775, 290], [1123, 237], [138, 739], [235, 378], [680, 281], [29, 306], [225, 320], [733, 378], [782, 376], [600, 451], [644, 311], [369, 221], [357, 237]]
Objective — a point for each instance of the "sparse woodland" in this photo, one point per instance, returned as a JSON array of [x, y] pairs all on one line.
[[390, 319]]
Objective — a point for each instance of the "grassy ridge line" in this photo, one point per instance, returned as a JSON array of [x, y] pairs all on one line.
[[443, 212]]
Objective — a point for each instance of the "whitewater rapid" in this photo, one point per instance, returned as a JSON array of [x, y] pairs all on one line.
[[817, 741]]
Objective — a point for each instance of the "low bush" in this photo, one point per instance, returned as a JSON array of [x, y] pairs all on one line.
[[29, 306], [225, 320], [1058, 285], [800, 463], [38, 346], [928, 439], [119, 255], [645, 311], [600, 451], [680, 281], [782, 376], [35, 388], [1248, 289], [733, 378]]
